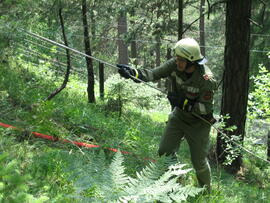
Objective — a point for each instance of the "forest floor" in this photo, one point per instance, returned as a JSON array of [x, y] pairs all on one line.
[[39, 164]]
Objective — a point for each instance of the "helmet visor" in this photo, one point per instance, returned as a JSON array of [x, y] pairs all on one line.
[[202, 61]]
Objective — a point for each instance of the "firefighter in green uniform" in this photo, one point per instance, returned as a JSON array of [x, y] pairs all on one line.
[[190, 94]]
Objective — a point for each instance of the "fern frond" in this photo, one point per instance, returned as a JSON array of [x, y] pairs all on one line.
[[114, 179], [157, 181], [184, 192], [154, 183], [117, 171]]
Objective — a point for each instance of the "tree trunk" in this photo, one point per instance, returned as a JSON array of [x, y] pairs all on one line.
[[157, 50], [133, 48], [180, 19], [168, 80], [64, 84], [93, 21], [89, 62], [122, 46], [202, 34], [268, 145], [236, 75], [133, 45], [101, 80]]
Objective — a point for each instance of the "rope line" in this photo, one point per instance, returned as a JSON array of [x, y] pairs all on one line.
[[76, 143], [49, 48], [168, 41], [111, 65], [195, 31], [85, 55], [223, 134], [53, 63]]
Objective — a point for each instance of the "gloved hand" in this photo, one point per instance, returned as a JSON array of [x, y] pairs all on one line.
[[127, 72], [188, 105], [175, 100], [181, 102]]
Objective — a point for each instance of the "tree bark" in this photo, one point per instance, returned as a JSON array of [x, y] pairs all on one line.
[[236, 75], [202, 33], [133, 50], [158, 43], [64, 84], [168, 80], [89, 62], [180, 19], [93, 20], [157, 50], [122, 46], [133, 44], [268, 145], [101, 80]]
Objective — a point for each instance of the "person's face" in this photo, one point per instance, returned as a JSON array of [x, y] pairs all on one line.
[[181, 63]]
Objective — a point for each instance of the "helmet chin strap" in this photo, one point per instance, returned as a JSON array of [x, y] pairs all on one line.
[[189, 64]]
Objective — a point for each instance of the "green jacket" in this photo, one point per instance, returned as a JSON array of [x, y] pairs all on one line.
[[200, 86]]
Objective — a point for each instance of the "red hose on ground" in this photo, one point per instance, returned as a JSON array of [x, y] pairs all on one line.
[[79, 144]]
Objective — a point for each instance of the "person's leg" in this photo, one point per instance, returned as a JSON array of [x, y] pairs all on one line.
[[198, 140], [171, 139]]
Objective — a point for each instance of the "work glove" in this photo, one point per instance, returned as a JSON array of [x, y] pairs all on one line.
[[127, 72], [175, 100], [188, 105], [181, 102]]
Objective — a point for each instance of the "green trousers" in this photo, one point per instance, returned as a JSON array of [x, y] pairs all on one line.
[[181, 125]]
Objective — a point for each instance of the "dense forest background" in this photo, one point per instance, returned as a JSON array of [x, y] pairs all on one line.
[[52, 90]]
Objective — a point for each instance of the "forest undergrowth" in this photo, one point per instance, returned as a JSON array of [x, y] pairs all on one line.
[[35, 170]]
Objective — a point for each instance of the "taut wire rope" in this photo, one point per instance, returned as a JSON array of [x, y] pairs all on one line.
[[114, 66], [85, 55]]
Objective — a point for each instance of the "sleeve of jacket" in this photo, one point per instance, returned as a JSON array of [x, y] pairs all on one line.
[[160, 72], [204, 104]]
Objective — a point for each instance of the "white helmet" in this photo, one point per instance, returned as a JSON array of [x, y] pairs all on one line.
[[189, 49]]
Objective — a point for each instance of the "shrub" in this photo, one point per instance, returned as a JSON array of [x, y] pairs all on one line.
[[124, 93], [259, 98], [13, 185]]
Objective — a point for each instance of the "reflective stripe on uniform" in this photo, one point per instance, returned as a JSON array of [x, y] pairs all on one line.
[[179, 80], [202, 108], [150, 76], [207, 168], [193, 89], [136, 73]]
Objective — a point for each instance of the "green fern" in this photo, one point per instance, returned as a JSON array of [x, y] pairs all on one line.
[[117, 172], [156, 183], [98, 182]]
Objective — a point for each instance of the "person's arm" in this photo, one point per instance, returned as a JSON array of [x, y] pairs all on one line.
[[148, 74], [162, 71]]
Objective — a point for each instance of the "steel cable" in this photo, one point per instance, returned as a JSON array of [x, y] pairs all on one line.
[[85, 55], [114, 66]]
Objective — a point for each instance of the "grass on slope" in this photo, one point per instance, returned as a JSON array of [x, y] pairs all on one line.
[[23, 88]]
